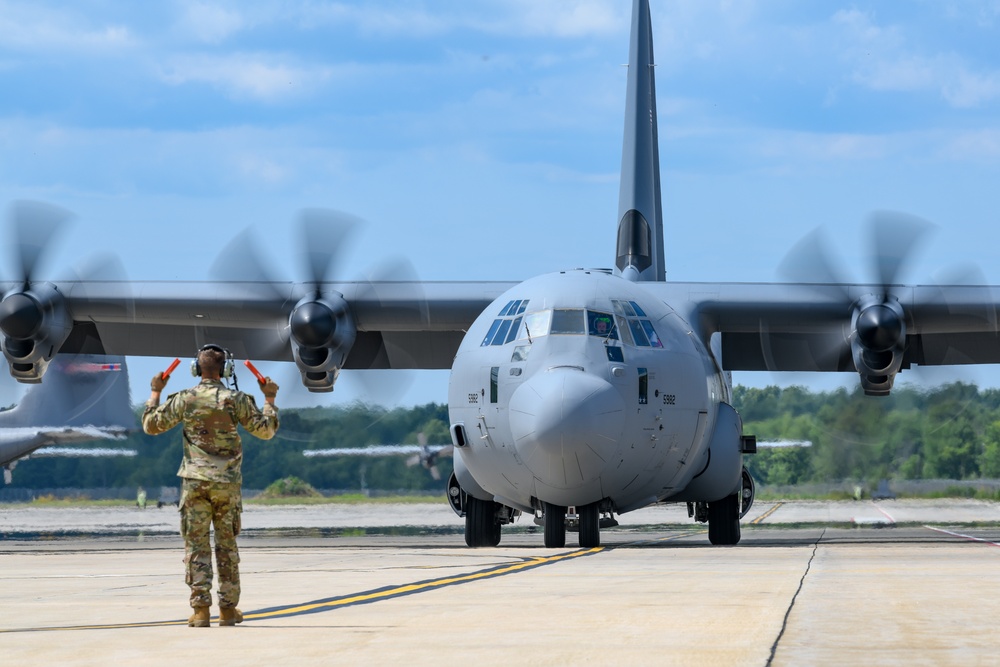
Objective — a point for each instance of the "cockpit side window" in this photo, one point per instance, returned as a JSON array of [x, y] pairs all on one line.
[[638, 334], [625, 332], [515, 325], [491, 333], [501, 336], [654, 340], [601, 325], [635, 325], [504, 329]]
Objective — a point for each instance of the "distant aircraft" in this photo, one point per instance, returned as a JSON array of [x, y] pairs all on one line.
[[422, 453], [601, 390], [84, 399]]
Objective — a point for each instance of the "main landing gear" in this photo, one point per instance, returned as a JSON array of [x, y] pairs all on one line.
[[724, 520], [482, 529], [723, 516], [483, 520]]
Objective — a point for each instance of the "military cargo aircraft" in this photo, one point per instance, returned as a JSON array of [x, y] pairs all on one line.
[[426, 455], [595, 390], [84, 399]]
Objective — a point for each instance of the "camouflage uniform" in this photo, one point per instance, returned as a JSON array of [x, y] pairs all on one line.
[[210, 491]]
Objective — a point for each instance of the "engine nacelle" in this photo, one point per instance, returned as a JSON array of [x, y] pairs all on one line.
[[35, 323], [322, 335], [878, 344]]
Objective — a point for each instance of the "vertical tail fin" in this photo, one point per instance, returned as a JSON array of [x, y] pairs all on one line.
[[80, 390], [640, 217]]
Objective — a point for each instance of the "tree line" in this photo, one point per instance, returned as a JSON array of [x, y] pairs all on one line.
[[947, 432], [158, 457]]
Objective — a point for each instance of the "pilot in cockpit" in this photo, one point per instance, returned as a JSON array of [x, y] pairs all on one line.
[[600, 325]]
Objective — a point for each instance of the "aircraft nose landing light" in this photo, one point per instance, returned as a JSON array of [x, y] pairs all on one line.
[[566, 425]]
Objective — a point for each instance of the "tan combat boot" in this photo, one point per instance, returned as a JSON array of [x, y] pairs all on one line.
[[200, 618], [230, 616]]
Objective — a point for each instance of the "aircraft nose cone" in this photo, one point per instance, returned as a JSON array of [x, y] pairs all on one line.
[[566, 425]]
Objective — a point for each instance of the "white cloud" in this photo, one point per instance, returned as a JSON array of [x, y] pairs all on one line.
[[256, 168], [861, 27], [883, 61], [836, 147], [568, 18], [220, 161], [948, 76], [262, 77], [579, 18], [210, 23], [373, 18], [969, 89], [979, 144], [37, 29]]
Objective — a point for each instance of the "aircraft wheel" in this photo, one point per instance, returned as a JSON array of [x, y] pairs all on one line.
[[555, 525], [724, 520], [590, 525], [481, 526]]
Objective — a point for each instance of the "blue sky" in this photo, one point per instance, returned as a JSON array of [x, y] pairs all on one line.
[[482, 139]]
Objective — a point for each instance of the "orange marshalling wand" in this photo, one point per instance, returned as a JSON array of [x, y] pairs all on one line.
[[253, 369], [170, 368]]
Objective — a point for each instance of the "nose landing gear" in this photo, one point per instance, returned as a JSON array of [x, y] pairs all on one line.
[[584, 519], [555, 525]]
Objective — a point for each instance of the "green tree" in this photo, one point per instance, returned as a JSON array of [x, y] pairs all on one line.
[[989, 458]]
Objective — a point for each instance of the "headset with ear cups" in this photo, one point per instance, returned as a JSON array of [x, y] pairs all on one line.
[[228, 368]]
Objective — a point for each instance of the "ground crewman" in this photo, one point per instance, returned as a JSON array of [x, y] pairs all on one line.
[[210, 473]]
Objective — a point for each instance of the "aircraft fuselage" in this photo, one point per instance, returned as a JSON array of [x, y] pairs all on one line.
[[579, 387]]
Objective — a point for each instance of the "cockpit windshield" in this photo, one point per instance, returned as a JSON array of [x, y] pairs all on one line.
[[566, 321], [628, 324]]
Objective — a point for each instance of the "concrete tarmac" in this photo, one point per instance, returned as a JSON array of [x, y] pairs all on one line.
[[806, 591]]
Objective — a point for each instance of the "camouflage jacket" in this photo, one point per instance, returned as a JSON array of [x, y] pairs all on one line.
[[210, 413]]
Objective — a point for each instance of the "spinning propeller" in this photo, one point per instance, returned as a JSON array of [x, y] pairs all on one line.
[[35, 321], [428, 456], [321, 326], [877, 334]]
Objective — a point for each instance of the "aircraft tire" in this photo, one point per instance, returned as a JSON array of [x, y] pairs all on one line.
[[724, 520], [481, 527], [590, 525], [555, 526]]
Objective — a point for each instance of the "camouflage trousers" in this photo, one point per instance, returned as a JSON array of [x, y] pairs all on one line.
[[204, 505]]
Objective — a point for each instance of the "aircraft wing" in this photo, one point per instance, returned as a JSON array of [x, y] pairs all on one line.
[[381, 450], [419, 325], [71, 435], [83, 452], [18, 442], [425, 455], [399, 324], [808, 327]]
